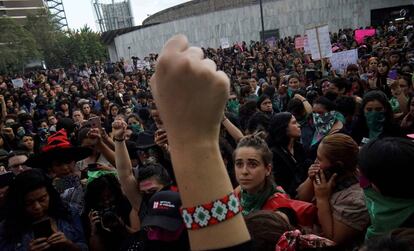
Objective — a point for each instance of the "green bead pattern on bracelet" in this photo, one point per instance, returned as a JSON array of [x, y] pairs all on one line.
[[211, 213]]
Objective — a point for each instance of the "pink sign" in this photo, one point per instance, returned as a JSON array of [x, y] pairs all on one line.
[[299, 42], [361, 34]]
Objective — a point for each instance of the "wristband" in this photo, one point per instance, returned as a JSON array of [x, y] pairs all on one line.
[[211, 213], [119, 140]]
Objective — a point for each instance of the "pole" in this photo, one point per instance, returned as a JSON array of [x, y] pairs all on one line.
[[261, 18], [319, 48]]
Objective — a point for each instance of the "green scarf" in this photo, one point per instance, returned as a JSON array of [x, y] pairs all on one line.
[[375, 122], [386, 213], [92, 175], [254, 202]]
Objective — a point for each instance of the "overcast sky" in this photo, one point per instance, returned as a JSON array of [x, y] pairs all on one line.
[[80, 12]]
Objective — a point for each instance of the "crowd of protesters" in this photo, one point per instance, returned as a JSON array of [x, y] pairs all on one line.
[[308, 158]]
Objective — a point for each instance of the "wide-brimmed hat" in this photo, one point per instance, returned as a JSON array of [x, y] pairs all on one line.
[[58, 147], [145, 140]]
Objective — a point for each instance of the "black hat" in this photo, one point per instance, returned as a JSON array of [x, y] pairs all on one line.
[[145, 140], [164, 211]]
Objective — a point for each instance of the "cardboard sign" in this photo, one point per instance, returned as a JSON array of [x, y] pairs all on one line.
[[319, 42], [299, 42], [17, 83], [361, 34], [224, 42], [341, 60]]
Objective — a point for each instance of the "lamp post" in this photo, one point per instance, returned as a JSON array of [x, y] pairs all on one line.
[[261, 19]]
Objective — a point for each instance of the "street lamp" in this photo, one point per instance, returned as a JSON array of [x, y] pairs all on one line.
[[261, 18]]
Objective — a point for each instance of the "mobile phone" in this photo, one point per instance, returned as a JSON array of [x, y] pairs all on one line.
[[94, 122], [42, 228]]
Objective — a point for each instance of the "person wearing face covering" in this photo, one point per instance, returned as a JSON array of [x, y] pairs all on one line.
[[326, 121], [376, 119]]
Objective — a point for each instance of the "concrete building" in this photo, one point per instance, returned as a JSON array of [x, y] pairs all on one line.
[[205, 22], [20, 9]]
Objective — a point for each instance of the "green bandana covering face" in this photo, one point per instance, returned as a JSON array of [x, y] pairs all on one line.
[[386, 213], [375, 122], [233, 106], [324, 123], [136, 128]]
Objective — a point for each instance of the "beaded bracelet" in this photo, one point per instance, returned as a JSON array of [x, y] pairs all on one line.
[[118, 140], [212, 213]]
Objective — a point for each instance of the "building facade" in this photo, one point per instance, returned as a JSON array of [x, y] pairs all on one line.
[[205, 22]]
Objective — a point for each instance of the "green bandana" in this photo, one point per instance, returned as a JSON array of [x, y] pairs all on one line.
[[375, 122], [136, 128], [92, 175], [254, 202], [386, 213], [233, 106], [323, 124]]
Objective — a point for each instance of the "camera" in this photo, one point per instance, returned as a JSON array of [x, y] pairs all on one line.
[[109, 218]]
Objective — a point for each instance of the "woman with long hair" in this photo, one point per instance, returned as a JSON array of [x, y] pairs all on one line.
[[376, 119], [289, 158], [108, 217], [32, 198]]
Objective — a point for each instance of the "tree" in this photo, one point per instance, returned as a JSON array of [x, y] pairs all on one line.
[[60, 48], [17, 46]]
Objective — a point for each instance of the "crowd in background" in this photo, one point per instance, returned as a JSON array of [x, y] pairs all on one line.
[[309, 150]]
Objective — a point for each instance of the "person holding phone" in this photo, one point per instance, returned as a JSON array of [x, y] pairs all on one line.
[[37, 219], [333, 184]]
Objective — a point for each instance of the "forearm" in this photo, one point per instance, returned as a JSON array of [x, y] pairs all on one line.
[[308, 106], [126, 176], [325, 217], [305, 191], [234, 132], [202, 178], [107, 153]]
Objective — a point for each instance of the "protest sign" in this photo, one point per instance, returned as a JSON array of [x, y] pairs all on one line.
[[224, 42], [341, 60], [306, 45], [299, 42], [361, 34], [319, 42], [17, 83], [271, 41]]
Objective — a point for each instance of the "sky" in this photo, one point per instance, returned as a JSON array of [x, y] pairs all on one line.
[[80, 12]]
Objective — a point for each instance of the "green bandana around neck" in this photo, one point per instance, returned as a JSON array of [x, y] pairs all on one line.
[[386, 213], [254, 202]]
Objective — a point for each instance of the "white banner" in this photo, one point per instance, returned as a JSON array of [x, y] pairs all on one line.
[[17, 83], [319, 42], [341, 60]]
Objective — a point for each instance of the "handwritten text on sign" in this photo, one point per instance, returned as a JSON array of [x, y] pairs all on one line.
[[319, 42], [341, 60]]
